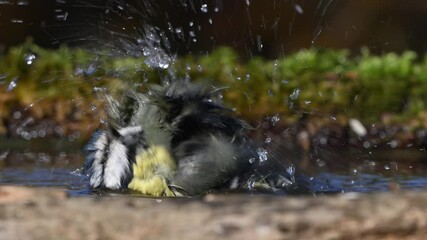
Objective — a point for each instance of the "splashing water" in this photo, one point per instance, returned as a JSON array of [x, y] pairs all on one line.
[[155, 55], [157, 46], [262, 154]]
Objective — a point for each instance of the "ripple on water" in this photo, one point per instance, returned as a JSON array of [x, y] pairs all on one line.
[[63, 170]]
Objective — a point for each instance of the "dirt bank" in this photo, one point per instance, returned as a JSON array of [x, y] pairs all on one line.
[[49, 214]]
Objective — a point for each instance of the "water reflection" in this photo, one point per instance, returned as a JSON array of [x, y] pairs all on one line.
[[44, 169]]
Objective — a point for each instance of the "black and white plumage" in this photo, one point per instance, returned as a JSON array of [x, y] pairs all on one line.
[[208, 145], [110, 155]]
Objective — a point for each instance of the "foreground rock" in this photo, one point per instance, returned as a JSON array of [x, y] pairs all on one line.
[[49, 214]]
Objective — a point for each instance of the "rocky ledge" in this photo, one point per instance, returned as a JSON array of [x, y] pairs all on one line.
[[29, 213]]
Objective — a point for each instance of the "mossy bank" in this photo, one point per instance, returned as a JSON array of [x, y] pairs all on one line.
[[61, 92]]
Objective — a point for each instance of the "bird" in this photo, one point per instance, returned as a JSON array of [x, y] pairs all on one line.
[[175, 139]]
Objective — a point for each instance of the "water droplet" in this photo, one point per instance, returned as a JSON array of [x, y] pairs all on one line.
[[294, 95], [15, 20], [41, 133], [204, 8], [78, 71], [216, 9], [393, 143], [252, 160], [199, 68], [163, 65], [22, 3], [17, 115], [26, 135], [259, 43], [291, 170], [77, 172], [33, 134], [12, 84], [210, 21], [4, 2], [366, 144], [320, 162], [275, 119], [99, 89], [91, 69], [93, 108], [268, 140], [262, 154], [323, 141], [248, 77], [248, 2], [357, 127], [62, 17], [29, 58], [298, 9], [59, 131]]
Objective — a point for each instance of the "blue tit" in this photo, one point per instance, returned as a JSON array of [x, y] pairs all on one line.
[[135, 124], [174, 140]]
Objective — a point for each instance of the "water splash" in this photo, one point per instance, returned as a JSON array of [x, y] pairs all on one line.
[[154, 47], [262, 154], [295, 94]]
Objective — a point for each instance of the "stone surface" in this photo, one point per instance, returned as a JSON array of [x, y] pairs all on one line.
[[29, 213]]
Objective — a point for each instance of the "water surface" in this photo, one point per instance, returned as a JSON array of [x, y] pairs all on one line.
[[58, 164]]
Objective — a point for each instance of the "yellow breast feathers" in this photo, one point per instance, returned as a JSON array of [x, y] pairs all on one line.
[[151, 171]]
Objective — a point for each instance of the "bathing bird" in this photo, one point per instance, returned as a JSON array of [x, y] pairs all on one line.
[[173, 140]]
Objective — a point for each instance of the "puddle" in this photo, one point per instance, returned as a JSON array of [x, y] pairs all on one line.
[[341, 171]]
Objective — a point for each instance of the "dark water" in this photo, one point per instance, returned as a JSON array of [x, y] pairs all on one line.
[[57, 164]]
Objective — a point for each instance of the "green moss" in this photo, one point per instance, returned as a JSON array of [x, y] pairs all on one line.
[[325, 82]]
